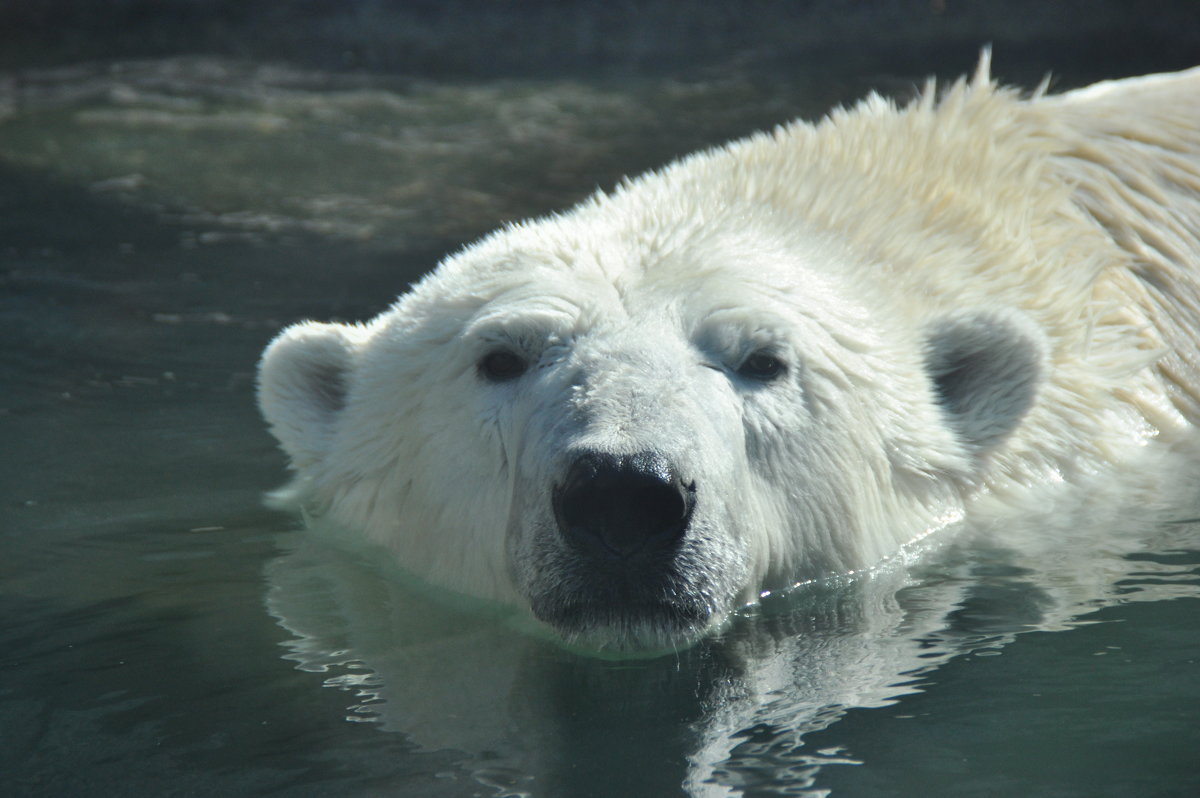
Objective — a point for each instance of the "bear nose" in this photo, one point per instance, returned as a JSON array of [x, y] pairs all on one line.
[[619, 506]]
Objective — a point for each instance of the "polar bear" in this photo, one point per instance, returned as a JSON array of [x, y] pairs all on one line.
[[779, 360]]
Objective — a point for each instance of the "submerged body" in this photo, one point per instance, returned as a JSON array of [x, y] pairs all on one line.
[[775, 361]]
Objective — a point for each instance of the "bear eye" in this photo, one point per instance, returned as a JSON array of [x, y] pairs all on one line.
[[762, 366], [502, 365]]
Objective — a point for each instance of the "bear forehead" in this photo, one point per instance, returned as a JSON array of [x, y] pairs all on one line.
[[691, 296], [597, 258]]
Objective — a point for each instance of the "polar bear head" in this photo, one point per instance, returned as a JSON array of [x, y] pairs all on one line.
[[632, 418]]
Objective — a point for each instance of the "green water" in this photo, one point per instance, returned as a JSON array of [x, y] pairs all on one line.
[[163, 634]]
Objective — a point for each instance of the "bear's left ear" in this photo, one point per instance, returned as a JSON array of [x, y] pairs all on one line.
[[302, 383], [986, 368]]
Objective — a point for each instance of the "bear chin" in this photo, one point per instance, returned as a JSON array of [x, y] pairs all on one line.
[[643, 628], [659, 603]]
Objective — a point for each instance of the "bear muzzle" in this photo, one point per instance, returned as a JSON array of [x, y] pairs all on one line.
[[628, 560], [621, 510]]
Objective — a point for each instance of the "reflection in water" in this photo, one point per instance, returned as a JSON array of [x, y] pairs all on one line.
[[731, 715]]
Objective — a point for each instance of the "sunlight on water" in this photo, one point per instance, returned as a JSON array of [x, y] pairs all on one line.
[[246, 151]]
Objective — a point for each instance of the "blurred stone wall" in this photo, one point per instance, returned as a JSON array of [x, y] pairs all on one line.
[[487, 38]]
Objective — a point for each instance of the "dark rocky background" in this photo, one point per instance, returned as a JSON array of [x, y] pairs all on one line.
[[488, 38]]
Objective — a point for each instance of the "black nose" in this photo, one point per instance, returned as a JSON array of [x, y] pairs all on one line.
[[622, 506]]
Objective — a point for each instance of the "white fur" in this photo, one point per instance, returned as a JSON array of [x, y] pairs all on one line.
[[972, 297]]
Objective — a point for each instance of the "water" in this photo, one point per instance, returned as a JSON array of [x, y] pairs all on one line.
[[163, 634]]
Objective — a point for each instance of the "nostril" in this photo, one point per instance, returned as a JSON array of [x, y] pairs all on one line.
[[621, 506]]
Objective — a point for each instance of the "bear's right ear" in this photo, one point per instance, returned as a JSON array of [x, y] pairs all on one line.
[[302, 383]]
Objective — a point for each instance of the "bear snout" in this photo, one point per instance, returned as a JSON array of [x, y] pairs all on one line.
[[623, 507]]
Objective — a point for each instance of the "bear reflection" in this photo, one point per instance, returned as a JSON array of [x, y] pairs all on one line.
[[528, 716]]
